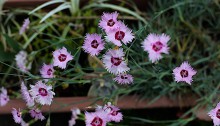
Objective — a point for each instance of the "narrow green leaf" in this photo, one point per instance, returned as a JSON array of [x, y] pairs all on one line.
[[42, 28], [46, 4], [48, 122], [5, 56], [59, 8], [13, 44], [115, 7], [74, 6]]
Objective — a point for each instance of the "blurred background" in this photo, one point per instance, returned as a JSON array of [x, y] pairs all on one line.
[[154, 99]]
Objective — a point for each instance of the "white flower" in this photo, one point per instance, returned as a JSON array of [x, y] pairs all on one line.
[[42, 93], [114, 61], [22, 62], [26, 95]]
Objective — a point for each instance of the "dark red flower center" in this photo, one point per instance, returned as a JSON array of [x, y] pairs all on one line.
[[116, 61], [114, 113], [108, 109], [110, 22], [184, 73], [124, 77], [37, 112], [62, 57], [119, 35], [42, 92], [97, 121], [18, 114], [94, 44], [218, 114], [157, 46], [49, 71]]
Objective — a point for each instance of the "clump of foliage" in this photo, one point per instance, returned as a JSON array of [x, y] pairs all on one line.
[[193, 27]]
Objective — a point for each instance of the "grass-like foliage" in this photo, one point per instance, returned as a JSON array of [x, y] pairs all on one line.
[[193, 26]]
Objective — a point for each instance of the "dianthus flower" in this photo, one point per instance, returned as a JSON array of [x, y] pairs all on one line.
[[112, 112], [36, 114], [47, 71], [17, 115], [121, 34], [93, 44], [61, 57], [98, 118], [4, 98], [75, 113], [215, 115], [42, 93], [26, 95], [124, 79], [155, 45], [114, 61], [109, 21], [24, 26], [22, 62], [184, 73]]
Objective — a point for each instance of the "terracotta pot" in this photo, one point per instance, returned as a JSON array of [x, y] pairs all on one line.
[[141, 4], [23, 3], [64, 104]]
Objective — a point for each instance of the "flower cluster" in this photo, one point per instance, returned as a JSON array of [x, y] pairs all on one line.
[[41, 93], [103, 115], [117, 33], [155, 45], [114, 59]]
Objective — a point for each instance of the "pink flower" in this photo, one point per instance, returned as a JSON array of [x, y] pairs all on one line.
[[121, 34], [22, 62], [17, 115], [47, 71], [124, 79], [93, 44], [156, 44], [61, 57], [4, 98], [72, 122], [42, 93], [75, 113], [184, 73], [109, 21], [37, 114], [26, 95], [23, 123], [24, 26], [215, 115], [98, 118], [112, 111], [114, 61]]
